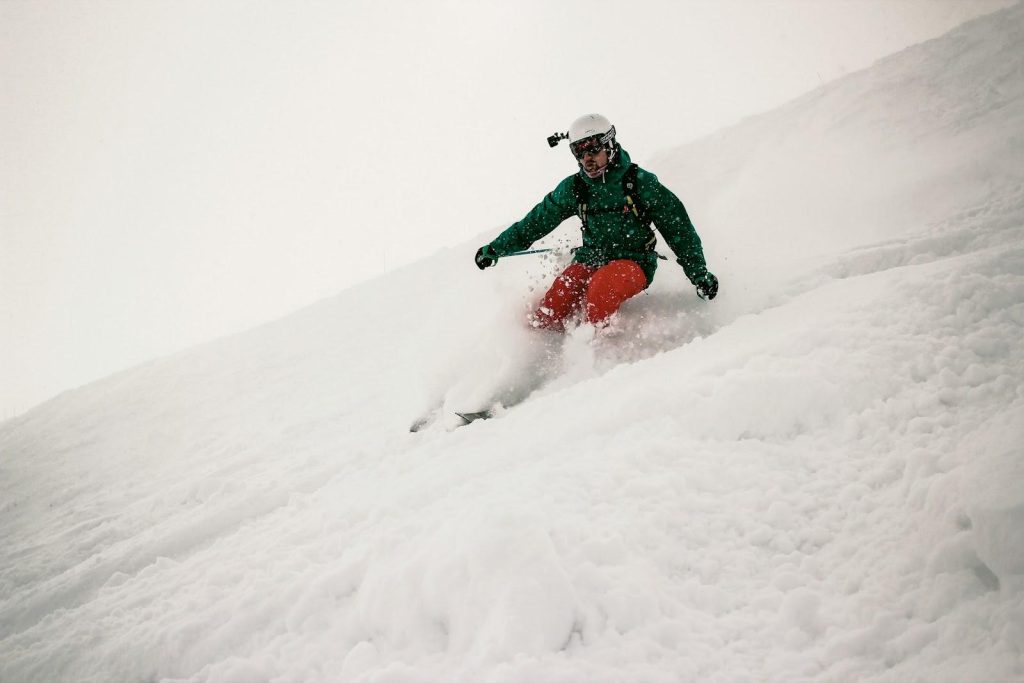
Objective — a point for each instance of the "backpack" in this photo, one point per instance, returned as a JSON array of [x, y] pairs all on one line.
[[581, 193]]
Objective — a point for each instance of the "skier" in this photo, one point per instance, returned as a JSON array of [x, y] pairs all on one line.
[[616, 201]]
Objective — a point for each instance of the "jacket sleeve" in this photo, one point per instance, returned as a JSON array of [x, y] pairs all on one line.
[[556, 206], [672, 221]]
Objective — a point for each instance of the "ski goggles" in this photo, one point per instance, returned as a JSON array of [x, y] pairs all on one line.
[[585, 146]]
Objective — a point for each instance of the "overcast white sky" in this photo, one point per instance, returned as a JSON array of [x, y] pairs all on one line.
[[171, 171]]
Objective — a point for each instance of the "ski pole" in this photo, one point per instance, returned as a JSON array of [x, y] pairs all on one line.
[[529, 251], [545, 251]]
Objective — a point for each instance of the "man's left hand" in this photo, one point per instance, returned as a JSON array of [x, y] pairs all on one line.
[[707, 286]]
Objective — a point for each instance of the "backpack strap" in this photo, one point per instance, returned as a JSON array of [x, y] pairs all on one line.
[[581, 195], [631, 189]]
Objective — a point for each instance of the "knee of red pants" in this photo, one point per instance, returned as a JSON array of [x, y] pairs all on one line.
[[611, 286], [575, 277], [564, 297]]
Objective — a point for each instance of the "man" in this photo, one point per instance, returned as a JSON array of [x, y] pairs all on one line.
[[617, 201]]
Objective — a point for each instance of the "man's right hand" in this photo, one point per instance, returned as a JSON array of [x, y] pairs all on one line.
[[486, 257]]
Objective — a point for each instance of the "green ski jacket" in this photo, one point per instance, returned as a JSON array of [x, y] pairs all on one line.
[[613, 231]]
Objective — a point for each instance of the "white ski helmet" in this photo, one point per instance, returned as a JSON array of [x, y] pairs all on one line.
[[592, 126]]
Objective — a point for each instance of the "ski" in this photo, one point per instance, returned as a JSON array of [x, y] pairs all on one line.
[[425, 421], [473, 417]]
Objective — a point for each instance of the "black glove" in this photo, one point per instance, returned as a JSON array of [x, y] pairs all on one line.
[[707, 286], [486, 257]]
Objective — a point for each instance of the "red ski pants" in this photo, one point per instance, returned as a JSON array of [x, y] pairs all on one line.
[[601, 290]]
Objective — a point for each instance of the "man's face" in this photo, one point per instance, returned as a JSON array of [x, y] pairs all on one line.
[[592, 155], [594, 161]]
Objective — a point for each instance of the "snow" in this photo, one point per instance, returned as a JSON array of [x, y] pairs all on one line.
[[816, 477]]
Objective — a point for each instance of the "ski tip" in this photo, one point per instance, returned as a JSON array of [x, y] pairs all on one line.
[[473, 417]]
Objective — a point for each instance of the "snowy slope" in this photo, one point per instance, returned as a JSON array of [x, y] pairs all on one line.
[[815, 477]]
